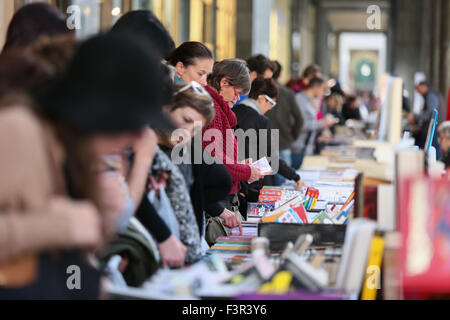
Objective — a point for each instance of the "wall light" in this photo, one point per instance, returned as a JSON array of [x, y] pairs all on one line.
[[116, 11]]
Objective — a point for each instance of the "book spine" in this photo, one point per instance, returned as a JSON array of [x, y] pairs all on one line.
[[372, 281]]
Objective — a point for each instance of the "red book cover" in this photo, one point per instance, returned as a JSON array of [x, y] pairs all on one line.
[[301, 212], [424, 206]]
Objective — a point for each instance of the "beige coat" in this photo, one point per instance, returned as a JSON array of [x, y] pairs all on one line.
[[28, 157]]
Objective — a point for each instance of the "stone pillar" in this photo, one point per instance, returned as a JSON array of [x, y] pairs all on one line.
[[261, 27], [411, 40], [323, 57], [184, 25], [244, 28]]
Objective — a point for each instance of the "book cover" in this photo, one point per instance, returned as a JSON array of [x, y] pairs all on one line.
[[425, 224]]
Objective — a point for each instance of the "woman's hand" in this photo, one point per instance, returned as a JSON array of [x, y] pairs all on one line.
[[112, 194], [300, 185], [159, 184], [173, 252], [231, 220], [145, 146], [113, 191], [256, 175]]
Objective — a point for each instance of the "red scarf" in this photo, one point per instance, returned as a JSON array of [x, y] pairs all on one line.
[[224, 121]]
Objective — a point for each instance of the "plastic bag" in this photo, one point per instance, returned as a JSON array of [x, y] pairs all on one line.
[[164, 208]]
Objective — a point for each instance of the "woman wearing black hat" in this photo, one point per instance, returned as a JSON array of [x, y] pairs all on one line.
[[88, 119], [149, 29]]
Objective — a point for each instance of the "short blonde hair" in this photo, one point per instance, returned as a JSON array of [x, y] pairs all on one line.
[[444, 129]]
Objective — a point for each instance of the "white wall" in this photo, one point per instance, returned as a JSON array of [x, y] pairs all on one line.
[[360, 41]]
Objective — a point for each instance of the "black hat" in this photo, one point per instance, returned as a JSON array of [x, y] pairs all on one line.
[[145, 25], [112, 85]]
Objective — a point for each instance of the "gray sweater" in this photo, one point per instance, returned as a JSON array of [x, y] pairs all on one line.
[[311, 125]]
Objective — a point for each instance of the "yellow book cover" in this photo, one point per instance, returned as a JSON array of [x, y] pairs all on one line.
[[372, 281]]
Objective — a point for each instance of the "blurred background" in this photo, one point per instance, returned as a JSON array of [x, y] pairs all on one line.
[[353, 41]]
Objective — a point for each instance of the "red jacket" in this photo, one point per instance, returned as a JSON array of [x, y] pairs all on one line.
[[224, 121]]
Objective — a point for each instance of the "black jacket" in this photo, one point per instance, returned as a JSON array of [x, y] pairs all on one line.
[[249, 118], [286, 117], [349, 113]]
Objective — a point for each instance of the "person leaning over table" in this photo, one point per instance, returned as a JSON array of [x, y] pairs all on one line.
[[229, 79], [251, 115], [150, 31], [73, 195], [208, 184], [308, 101]]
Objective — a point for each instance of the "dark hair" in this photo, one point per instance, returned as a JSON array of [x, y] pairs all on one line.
[[25, 70], [261, 86], [424, 83], [311, 71], [145, 25], [203, 104], [234, 70], [315, 82], [33, 21], [188, 52], [351, 99], [277, 71], [259, 64]]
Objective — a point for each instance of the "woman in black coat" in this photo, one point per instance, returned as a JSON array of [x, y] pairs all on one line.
[[250, 115]]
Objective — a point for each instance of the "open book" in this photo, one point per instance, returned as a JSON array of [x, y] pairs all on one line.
[[263, 165]]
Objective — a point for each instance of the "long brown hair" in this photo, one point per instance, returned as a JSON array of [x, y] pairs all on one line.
[[23, 70], [31, 22]]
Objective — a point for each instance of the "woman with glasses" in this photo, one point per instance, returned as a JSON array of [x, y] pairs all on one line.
[[250, 114], [229, 79], [192, 61]]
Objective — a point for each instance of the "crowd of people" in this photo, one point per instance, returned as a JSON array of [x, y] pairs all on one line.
[[89, 134]]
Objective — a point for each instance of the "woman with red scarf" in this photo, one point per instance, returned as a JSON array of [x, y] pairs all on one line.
[[229, 79]]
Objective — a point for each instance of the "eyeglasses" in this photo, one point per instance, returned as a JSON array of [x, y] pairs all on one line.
[[197, 87], [238, 97], [271, 101]]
